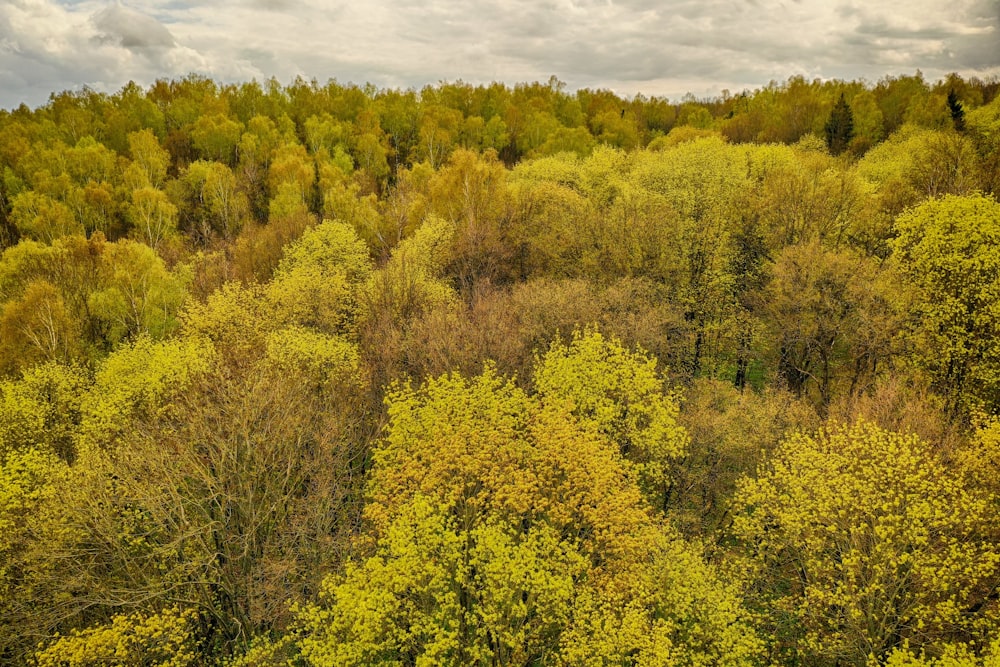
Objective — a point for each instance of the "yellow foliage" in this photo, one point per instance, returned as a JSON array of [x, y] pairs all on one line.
[[952, 655], [137, 380], [410, 283], [25, 483], [234, 317], [138, 294], [862, 539], [948, 249], [325, 362], [42, 409], [504, 531], [163, 639], [34, 525], [318, 280], [624, 396]]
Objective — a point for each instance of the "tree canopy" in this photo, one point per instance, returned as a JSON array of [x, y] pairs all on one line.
[[326, 374]]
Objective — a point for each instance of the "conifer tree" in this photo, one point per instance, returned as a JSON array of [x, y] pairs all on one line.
[[957, 112], [839, 127]]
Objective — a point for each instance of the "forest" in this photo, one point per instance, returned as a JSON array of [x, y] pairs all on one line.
[[326, 374]]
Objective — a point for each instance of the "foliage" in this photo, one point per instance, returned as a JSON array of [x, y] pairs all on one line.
[[539, 546], [320, 372], [319, 280], [163, 639], [862, 539], [625, 398], [137, 381], [947, 249]]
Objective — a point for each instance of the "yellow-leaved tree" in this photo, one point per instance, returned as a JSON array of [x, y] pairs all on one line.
[[948, 249], [861, 541], [625, 398], [505, 530]]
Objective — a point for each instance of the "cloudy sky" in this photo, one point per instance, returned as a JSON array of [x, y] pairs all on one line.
[[657, 47]]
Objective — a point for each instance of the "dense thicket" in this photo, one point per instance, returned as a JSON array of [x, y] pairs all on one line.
[[487, 375]]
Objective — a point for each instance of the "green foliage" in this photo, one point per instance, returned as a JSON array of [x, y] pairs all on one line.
[[33, 525], [956, 110], [426, 569], [139, 295], [149, 156], [152, 216], [839, 127], [79, 297], [410, 282], [26, 483], [984, 127], [917, 163], [732, 432]]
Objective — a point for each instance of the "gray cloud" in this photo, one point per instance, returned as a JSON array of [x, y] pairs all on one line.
[[131, 29], [658, 47]]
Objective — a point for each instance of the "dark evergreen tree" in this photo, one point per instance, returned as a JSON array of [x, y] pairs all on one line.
[[839, 127], [957, 112]]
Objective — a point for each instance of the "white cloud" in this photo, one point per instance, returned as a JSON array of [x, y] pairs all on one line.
[[664, 47]]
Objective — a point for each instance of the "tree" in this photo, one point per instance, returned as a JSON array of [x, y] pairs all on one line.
[[503, 532], [41, 410], [984, 125], [242, 514], [32, 527], [949, 251], [830, 318], [956, 110], [38, 216], [216, 136], [320, 279], [623, 394], [839, 127], [862, 541], [470, 192], [151, 158], [137, 293], [153, 217], [37, 327]]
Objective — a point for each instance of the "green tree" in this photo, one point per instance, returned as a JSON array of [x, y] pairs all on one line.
[[146, 151], [839, 127], [137, 294], [216, 136], [956, 110], [153, 217]]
